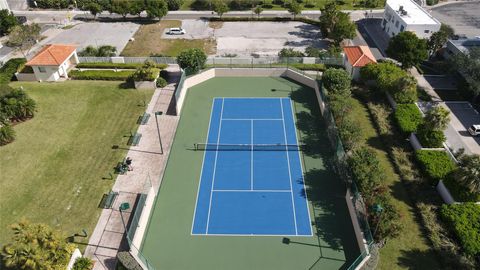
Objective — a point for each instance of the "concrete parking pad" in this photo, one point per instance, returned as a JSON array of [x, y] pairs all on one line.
[[97, 34], [463, 17], [466, 116]]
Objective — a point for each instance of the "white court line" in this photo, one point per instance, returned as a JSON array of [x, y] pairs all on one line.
[[203, 161], [249, 119], [252, 234], [301, 166], [214, 167], [251, 155], [254, 190], [288, 163]]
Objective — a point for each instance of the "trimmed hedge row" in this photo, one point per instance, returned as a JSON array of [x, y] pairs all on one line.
[[436, 164], [9, 69], [104, 75], [116, 65], [408, 117], [464, 220]]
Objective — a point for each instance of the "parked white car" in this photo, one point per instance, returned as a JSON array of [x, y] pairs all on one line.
[[474, 130], [176, 31]]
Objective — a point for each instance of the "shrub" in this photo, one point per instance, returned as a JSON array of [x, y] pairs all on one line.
[[174, 4], [337, 81], [386, 74], [56, 4], [83, 263], [116, 65], [350, 133], [289, 52], [464, 221], [436, 164], [161, 82], [9, 69], [316, 67], [147, 72], [7, 134], [103, 75], [408, 117], [102, 51], [405, 90], [367, 172], [430, 138], [15, 105], [458, 190], [192, 59], [126, 259], [381, 114]]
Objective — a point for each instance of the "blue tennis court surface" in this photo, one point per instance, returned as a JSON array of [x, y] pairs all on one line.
[[252, 190]]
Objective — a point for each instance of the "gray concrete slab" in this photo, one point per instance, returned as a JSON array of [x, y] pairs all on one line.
[[195, 29], [97, 34], [463, 17], [466, 116]]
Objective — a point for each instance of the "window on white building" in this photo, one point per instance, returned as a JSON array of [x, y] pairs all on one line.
[[396, 24], [402, 28], [42, 69], [427, 31]]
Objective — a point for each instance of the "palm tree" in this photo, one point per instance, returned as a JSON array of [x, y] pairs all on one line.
[[12, 256], [469, 172], [438, 118]]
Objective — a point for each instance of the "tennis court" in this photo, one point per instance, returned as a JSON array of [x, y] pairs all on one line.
[[251, 181]]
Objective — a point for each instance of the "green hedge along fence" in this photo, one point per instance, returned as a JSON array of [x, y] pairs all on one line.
[[103, 75]]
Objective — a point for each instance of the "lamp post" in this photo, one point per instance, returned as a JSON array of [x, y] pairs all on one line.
[[158, 130], [378, 209]]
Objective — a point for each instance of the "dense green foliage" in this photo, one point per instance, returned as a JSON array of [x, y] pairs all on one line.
[[437, 118], [102, 51], [147, 72], [436, 164], [116, 65], [8, 70], [335, 24], [337, 81], [83, 263], [439, 38], [405, 90], [174, 4], [23, 37], [467, 65], [367, 172], [16, 106], [36, 246], [156, 8], [408, 49], [464, 220], [430, 138], [408, 117], [7, 134], [192, 59], [161, 82], [290, 52], [103, 75], [468, 173], [294, 8], [7, 21], [385, 74], [220, 7]]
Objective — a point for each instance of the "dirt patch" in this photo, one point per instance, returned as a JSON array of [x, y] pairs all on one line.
[[215, 25]]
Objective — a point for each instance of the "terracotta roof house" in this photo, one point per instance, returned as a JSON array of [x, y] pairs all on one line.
[[355, 57], [53, 62]]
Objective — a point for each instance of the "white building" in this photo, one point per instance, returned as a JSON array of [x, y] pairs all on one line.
[[356, 57], [4, 5], [53, 62], [406, 15]]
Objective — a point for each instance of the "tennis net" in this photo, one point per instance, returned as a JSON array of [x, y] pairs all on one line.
[[247, 147]]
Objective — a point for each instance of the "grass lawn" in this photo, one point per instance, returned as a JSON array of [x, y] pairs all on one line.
[[411, 240], [58, 167], [148, 41], [348, 4]]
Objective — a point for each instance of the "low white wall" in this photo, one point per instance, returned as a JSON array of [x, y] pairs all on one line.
[[117, 60], [294, 75], [75, 255], [415, 142], [361, 242], [144, 216], [26, 77], [192, 81], [444, 193]]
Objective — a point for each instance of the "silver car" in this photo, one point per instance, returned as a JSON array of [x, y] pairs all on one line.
[[474, 130]]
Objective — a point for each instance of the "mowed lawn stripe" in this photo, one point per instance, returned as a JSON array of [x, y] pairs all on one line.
[[53, 172]]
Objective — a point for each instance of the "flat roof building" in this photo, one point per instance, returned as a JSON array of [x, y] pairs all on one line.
[[406, 15], [4, 5], [463, 45]]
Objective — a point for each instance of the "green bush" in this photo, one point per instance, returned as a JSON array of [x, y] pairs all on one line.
[[459, 192], [126, 259], [103, 75], [337, 81], [147, 72], [464, 220], [83, 263], [408, 117], [289, 52], [161, 82], [116, 65], [430, 138], [436, 164], [7, 134], [10, 68], [15, 105], [56, 4], [192, 59], [102, 51]]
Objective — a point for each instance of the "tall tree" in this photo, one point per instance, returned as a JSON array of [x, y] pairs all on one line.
[[94, 9], [328, 18], [468, 172], [437, 118], [294, 8], [408, 49], [439, 38], [174, 4], [7, 21], [23, 37], [468, 65], [336, 24], [257, 10], [122, 7], [156, 8]]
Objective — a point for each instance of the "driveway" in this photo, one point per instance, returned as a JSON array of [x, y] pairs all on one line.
[[97, 34], [463, 17], [247, 38]]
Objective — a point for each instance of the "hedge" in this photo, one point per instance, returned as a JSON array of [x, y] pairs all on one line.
[[464, 220], [116, 65], [436, 164], [408, 117], [459, 192], [104, 75], [9, 69], [315, 67]]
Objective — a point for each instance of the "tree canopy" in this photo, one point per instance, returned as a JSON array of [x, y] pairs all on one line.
[[468, 65], [156, 8], [439, 38], [7, 21], [220, 7], [336, 24], [192, 59], [294, 8], [337, 81], [408, 49], [23, 37]]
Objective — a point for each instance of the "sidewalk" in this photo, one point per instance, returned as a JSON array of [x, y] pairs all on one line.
[[148, 167]]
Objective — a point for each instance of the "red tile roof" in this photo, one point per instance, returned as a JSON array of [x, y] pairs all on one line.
[[52, 55], [359, 56]]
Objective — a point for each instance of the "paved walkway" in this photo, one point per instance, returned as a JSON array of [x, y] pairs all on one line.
[[148, 167]]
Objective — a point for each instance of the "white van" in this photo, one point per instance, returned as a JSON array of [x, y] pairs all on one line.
[[474, 130], [176, 31]]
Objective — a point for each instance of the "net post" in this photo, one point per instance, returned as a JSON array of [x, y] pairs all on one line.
[[195, 146]]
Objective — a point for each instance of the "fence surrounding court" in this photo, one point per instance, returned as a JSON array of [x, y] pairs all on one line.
[[230, 62]]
